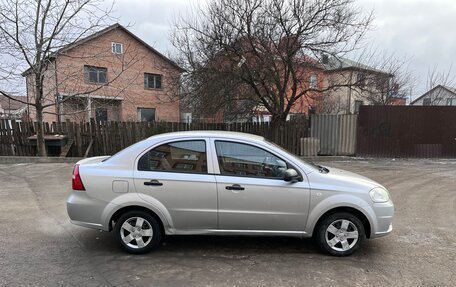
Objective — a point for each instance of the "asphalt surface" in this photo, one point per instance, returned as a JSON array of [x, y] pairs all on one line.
[[39, 246]]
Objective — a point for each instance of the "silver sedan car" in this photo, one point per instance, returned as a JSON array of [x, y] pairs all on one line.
[[212, 182]]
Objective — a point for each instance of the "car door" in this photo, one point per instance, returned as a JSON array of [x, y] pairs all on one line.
[[252, 194], [177, 174]]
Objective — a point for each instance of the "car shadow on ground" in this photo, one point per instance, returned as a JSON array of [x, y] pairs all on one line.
[[241, 244], [105, 242]]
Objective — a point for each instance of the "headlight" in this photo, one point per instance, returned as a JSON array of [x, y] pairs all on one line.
[[379, 194]]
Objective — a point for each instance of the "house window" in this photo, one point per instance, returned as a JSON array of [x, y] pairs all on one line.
[[186, 118], [181, 156], [451, 102], [97, 75], [152, 81], [313, 81], [101, 114], [360, 79], [146, 114], [358, 104], [426, 102], [117, 48]]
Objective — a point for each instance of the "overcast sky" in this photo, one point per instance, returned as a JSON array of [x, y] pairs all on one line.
[[421, 30]]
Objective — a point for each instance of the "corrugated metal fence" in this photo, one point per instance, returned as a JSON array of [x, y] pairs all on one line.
[[406, 131], [337, 133]]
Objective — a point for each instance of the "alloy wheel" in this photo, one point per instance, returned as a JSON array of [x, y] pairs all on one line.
[[136, 232], [341, 235]]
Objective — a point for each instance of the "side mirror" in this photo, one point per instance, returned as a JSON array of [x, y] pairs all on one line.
[[291, 175]]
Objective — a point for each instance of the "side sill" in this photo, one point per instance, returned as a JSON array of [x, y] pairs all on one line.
[[300, 234]]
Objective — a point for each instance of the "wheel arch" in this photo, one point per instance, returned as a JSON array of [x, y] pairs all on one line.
[[116, 215], [356, 212]]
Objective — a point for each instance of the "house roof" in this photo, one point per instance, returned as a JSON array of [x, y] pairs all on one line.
[[308, 60], [102, 32], [9, 104], [339, 63], [449, 89]]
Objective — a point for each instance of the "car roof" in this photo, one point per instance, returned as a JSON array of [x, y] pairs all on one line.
[[125, 154], [209, 133]]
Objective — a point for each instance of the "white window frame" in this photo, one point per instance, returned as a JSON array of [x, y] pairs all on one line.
[[114, 48]]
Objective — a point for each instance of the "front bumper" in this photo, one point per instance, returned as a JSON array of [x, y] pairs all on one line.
[[384, 214]]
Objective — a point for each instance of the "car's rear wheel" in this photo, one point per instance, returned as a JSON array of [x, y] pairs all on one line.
[[138, 232], [340, 234]]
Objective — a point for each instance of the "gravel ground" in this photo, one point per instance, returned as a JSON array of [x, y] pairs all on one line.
[[40, 247]]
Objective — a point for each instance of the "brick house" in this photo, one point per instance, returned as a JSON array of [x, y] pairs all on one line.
[[344, 86], [311, 80], [111, 75], [312, 75]]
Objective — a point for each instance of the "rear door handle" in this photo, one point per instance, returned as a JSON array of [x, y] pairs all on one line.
[[235, 187], [153, 182]]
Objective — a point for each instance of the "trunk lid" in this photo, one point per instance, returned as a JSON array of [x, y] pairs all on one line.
[[92, 160]]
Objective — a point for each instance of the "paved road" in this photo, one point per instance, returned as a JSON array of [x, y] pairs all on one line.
[[40, 247]]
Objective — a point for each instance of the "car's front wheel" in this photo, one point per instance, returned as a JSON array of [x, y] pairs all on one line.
[[138, 232], [340, 234]]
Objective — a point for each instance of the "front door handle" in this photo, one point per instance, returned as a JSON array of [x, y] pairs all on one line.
[[153, 182], [235, 187]]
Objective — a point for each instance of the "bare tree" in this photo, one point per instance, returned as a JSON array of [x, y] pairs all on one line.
[[388, 81], [258, 52], [33, 33]]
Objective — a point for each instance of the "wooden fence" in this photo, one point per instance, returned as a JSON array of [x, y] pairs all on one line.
[[93, 139]]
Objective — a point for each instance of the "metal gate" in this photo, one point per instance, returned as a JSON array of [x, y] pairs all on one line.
[[337, 133], [406, 131]]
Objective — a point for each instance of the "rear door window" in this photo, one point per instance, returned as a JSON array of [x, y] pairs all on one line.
[[180, 156]]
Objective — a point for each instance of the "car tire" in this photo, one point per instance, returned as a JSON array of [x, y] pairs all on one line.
[[138, 232], [340, 234]]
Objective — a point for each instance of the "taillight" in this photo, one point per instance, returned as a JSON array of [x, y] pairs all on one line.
[[77, 182]]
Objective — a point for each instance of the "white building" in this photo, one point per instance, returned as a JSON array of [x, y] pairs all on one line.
[[437, 96]]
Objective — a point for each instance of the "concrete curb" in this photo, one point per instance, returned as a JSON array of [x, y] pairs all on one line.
[[37, 159]]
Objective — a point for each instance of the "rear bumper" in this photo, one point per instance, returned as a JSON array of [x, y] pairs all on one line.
[[86, 211]]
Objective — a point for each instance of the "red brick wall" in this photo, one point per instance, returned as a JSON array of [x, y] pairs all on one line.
[[125, 74], [311, 98]]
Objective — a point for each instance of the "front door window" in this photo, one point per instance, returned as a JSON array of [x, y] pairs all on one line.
[[247, 160]]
